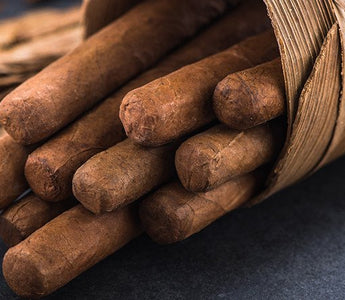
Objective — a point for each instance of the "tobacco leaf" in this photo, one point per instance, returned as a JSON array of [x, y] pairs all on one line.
[[316, 116], [36, 24], [311, 56], [337, 146], [35, 54]]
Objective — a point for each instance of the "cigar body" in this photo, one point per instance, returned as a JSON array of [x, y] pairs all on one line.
[[49, 169], [172, 213], [179, 103], [100, 65], [215, 156], [99, 13], [12, 180], [24, 217], [251, 97], [122, 174], [65, 247]]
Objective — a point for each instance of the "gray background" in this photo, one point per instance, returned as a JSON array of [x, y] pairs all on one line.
[[290, 247]]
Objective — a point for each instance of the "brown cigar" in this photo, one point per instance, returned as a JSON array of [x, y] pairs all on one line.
[[179, 103], [71, 85], [37, 24], [24, 217], [251, 97], [213, 157], [65, 247], [122, 174], [172, 213], [99, 13], [49, 169], [12, 180]]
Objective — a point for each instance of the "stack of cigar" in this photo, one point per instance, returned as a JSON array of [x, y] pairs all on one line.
[[161, 122]]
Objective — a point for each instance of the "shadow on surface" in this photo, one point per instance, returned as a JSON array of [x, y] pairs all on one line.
[[291, 246], [12, 8]]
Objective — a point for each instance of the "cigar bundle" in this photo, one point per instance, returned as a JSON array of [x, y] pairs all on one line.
[[167, 116]]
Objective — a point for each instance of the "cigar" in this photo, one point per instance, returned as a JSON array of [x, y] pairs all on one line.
[[121, 175], [65, 247], [24, 217], [251, 97], [99, 13], [36, 24], [172, 213], [179, 103], [213, 157], [12, 180], [49, 169], [101, 64]]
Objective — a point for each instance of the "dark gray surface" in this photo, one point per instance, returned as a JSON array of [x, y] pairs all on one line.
[[290, 247], [11, 8]]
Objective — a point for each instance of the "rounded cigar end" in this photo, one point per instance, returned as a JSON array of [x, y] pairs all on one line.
[[22, 273], [193, 166], [233, 103], [162, 218], [140, 118], [9, 233], [88, 191], [43, 180], [13, 119]]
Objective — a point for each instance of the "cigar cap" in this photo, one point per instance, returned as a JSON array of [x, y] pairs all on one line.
[[161, 217], [195, 166], [251, 97], [85, 187], [17, 265], [48, 188], [142, 118]]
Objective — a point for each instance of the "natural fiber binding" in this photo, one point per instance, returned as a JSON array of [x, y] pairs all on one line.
[[303, 29]]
